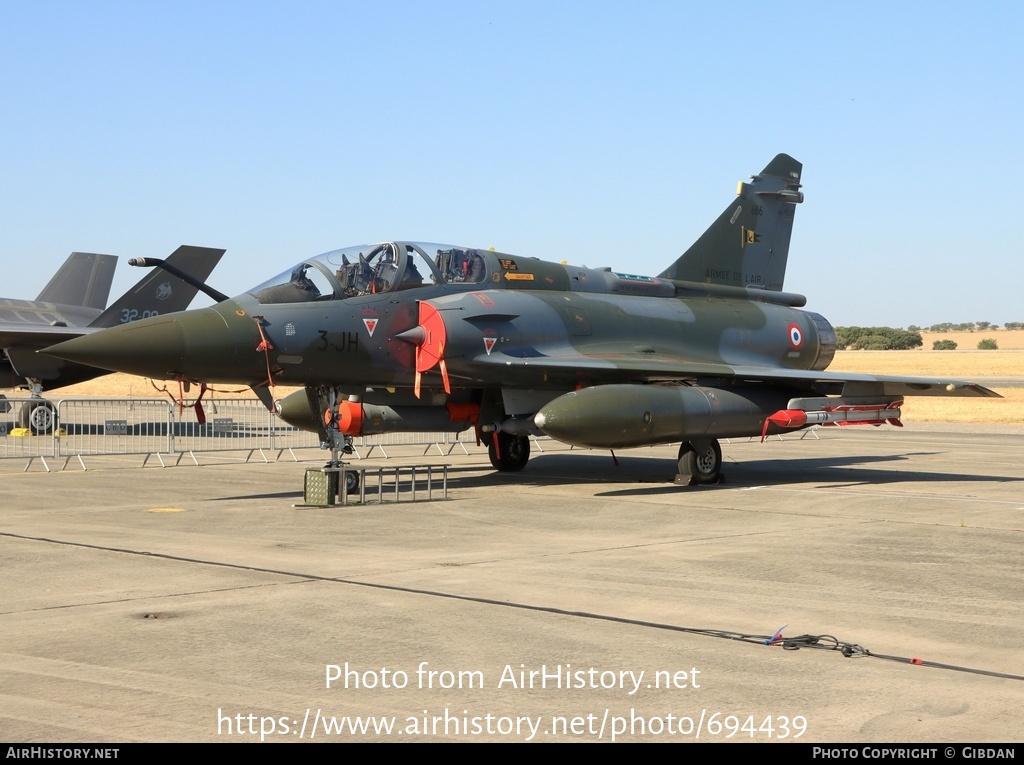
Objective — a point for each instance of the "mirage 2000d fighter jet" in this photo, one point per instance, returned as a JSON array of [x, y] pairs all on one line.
[[408, 336]]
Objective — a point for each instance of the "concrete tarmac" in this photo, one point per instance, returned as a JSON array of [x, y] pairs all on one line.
[[575, 601]]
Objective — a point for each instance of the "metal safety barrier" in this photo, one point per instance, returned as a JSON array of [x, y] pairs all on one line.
[[75, 428], [285, 438], [445, 443], [113, 426], [158, 428], [20, 442], [231, 425]]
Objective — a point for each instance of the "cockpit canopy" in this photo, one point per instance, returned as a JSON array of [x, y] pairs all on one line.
[[371, 269]]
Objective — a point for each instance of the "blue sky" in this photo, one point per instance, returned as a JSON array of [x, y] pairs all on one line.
[[594, 132]]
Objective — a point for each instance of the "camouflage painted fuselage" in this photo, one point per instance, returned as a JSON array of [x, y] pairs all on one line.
[[549, 326]]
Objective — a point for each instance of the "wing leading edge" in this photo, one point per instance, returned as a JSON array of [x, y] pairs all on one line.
[[617, 367]]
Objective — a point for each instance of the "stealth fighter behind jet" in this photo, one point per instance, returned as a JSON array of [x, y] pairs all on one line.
[[73, 304]]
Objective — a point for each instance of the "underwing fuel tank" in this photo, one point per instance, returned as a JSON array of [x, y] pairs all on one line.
[[620, 416], [362, 419], [355, 419]]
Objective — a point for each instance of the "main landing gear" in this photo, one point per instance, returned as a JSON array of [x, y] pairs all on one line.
[[700, 462], [508, 453]]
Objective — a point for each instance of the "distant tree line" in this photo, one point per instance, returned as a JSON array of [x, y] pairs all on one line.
[[967, 326], [893, 339], [877, 339], [985, 344]]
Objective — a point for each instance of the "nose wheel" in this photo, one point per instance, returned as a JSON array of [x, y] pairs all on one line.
[[351, 482], [700, 462]]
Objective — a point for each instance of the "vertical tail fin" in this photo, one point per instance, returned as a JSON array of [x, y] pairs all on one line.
[[158, 292], [749, 243], [84, 280]]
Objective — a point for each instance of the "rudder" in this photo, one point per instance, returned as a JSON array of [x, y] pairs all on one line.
[[748, 245], [84, 280], [159, 292]]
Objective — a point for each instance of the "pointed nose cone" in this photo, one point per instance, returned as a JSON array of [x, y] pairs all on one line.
[[150, 347], [194, 345]]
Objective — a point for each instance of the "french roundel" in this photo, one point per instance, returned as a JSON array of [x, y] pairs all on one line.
[[796, 336]]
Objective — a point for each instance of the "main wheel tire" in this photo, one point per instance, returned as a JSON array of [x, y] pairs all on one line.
[[40, 417], [702, 462], [508, 453]]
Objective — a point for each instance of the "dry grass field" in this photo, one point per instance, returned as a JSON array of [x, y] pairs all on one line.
[[129, 386], [962, 363], [1007, 340], [965, 363]]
